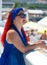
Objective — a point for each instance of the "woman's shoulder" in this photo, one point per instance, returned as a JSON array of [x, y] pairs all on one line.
[[11, 32], [10, 35]]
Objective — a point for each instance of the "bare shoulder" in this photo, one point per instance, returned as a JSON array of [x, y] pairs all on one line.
[[11, 34]]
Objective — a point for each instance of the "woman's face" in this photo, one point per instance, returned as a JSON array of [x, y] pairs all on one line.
[[21, 18]]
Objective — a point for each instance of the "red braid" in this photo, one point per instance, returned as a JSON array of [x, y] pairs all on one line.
[[6, 28]]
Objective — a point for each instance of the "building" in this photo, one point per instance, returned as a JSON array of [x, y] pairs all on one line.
[[7, 5]]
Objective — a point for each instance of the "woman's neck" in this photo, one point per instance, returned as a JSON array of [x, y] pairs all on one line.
[[18, 26]]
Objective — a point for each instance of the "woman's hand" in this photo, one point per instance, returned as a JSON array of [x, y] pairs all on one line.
[[41, 44]]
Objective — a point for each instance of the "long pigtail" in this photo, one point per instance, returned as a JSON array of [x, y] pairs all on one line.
[[6, 28]]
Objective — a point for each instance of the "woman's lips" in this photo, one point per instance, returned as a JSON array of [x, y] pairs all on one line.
[[24, 21]]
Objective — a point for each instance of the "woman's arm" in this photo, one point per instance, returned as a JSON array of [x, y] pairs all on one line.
[[13, 37]]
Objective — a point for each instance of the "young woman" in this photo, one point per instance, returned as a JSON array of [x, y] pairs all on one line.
[[14, 39]]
